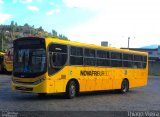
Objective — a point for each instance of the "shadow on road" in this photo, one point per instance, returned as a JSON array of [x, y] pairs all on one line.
[[35, 97], [5, 73]]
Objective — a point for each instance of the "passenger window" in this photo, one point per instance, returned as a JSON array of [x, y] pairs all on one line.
[[138, 58], [90, 61], [89, 52], [116, 63], [76, 56], [144, 65], [137, 65], [89, 58], [144, 58], [102, 54], [57, 57], [116, 55], [74, 60], [128, 64], [77, 51], [103, 62], [127, 57]]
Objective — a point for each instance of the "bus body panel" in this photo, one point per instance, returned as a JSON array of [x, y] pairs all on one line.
[[39, 88], [90, 78], [23, 83], [1, 61], [8, 60], [112, 80], [8, 65]]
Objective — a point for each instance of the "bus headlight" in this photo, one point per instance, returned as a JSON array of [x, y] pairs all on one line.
[[39, 81]]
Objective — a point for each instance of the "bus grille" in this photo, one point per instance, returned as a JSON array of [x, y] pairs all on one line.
[[27, 83]]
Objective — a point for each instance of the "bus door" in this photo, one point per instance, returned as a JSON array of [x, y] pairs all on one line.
[[57, 60]]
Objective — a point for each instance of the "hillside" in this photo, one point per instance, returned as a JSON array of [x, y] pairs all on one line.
[[10, 32]]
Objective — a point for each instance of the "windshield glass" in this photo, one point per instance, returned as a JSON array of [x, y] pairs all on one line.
[[30, 60]]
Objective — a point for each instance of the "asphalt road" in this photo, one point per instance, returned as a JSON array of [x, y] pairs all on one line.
[[138, 99]]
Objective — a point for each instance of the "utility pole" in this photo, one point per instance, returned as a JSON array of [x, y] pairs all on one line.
[[128, 41]]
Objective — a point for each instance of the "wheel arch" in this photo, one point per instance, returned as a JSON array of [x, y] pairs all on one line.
[[127, 81], [77, 84]]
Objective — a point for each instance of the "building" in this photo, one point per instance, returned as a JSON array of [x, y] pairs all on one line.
[[104, 43], [154, 59]]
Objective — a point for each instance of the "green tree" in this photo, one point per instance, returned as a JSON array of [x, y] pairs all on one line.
[[62, 37], [54, 33], [26, 25], [12, 23], [13, 29], [40, 29], [16, 24]]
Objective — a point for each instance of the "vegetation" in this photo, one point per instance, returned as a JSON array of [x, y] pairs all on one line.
[[10, 32]]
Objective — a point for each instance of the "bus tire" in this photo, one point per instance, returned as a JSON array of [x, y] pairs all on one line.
[[1, 68], [124, 86], [71, 89]]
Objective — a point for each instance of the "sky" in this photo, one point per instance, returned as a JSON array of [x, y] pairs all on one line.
[[90, 21]]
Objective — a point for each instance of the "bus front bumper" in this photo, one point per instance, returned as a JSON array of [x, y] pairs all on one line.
[[39, 88]]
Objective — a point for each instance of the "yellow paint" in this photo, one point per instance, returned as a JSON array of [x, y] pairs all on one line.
[[111, 80], [1, 62], [8, 65], [2, 53], [8, 62]]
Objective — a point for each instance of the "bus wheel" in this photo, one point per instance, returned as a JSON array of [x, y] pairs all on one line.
[[1, 68], [71, 90], [124, 86]]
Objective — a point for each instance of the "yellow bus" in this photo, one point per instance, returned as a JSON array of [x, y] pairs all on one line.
[[50, 65], [8, 60], [1, 61]]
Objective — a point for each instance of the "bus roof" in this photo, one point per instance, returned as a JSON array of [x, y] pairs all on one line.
[[73, 43]]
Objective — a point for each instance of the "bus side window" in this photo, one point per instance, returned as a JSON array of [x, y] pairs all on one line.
[[134, 66], [89, 58], [138, 65], [57, 57], [116, 59], [76, 55], [128, 60], [138, 61]]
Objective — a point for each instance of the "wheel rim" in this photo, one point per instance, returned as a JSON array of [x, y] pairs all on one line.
[[124, 86], [72, 90]]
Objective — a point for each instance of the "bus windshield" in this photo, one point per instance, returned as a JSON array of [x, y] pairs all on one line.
[[30, 60]]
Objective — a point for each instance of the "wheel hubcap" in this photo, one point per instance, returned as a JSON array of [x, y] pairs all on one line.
[[124, 86], [72, 92]]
